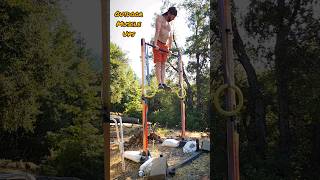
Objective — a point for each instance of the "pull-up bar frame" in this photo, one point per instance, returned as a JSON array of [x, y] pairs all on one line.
[[144, 103]]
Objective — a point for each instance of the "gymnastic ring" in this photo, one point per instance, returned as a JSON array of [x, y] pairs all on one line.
[[149, 95], [217, 104], [184, 93]]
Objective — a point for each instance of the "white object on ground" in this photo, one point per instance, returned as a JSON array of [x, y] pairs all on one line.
[[170, 143], [190, 146], [145, 168], [205, 145], [133, 155]]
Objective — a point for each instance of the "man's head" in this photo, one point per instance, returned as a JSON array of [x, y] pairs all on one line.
[[170, 14]]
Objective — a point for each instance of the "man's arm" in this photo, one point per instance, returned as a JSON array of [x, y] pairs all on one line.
[[158, 27], [170, 39]]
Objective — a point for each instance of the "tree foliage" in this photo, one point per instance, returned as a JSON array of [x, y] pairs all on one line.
[[284, 35], [49, 91]]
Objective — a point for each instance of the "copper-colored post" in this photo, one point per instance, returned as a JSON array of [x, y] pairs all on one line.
[[182, 105], [183, 119], [144, 105]]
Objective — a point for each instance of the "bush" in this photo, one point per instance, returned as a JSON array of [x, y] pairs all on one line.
[[78, 152]]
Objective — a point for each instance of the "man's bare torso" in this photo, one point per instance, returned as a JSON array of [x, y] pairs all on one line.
[[164, 30]]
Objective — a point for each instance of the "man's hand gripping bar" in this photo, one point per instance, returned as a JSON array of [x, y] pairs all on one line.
[[163, 50]]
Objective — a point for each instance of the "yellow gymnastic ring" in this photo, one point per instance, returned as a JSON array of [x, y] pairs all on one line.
[[149, 95], [217, 104], [184, 93]]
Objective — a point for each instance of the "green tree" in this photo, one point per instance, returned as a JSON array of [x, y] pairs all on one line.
[[197, 47], [125, 90], [293, 25], [47, 85]]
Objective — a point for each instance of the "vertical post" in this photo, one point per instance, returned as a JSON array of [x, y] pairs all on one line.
[[182, 105], [122, 146], [232, 134], [144, 105], [105, 85]]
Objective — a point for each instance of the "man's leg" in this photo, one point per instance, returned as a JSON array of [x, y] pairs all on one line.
[[163, 76], [163, 72], [158, 72]]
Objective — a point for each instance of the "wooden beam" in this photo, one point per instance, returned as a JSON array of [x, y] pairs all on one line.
[[228, 64], [105, 96]]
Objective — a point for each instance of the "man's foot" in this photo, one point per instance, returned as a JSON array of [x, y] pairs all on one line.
[[160, 86], [168, 88]]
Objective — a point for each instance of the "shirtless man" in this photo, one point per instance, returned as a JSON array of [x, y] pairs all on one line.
[[163, 40]]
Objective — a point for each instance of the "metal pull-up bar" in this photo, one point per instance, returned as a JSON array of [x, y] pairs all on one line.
[[163, 50]]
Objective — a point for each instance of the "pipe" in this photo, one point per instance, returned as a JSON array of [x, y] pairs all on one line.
[[126, 119], [120, 141], [117, 130], [172, 170], [121, 145]]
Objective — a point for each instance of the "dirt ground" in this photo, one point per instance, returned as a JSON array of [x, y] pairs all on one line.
[[198, 169]]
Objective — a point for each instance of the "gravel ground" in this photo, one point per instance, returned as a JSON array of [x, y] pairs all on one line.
[[198, 169]]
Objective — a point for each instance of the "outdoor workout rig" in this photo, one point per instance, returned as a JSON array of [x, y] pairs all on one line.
[[231, 90], [159, 165], [180, 92]]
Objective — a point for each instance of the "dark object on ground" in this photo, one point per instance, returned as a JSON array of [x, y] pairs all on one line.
[[172, 170], [182, 143], [204, 148], [198, 144]]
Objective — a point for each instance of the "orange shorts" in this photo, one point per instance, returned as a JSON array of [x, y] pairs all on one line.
[[159, 56]]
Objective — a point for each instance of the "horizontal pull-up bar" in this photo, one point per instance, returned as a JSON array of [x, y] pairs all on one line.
[[163, 50]]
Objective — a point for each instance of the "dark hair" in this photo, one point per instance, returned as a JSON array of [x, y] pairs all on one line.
[[171, 10]]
